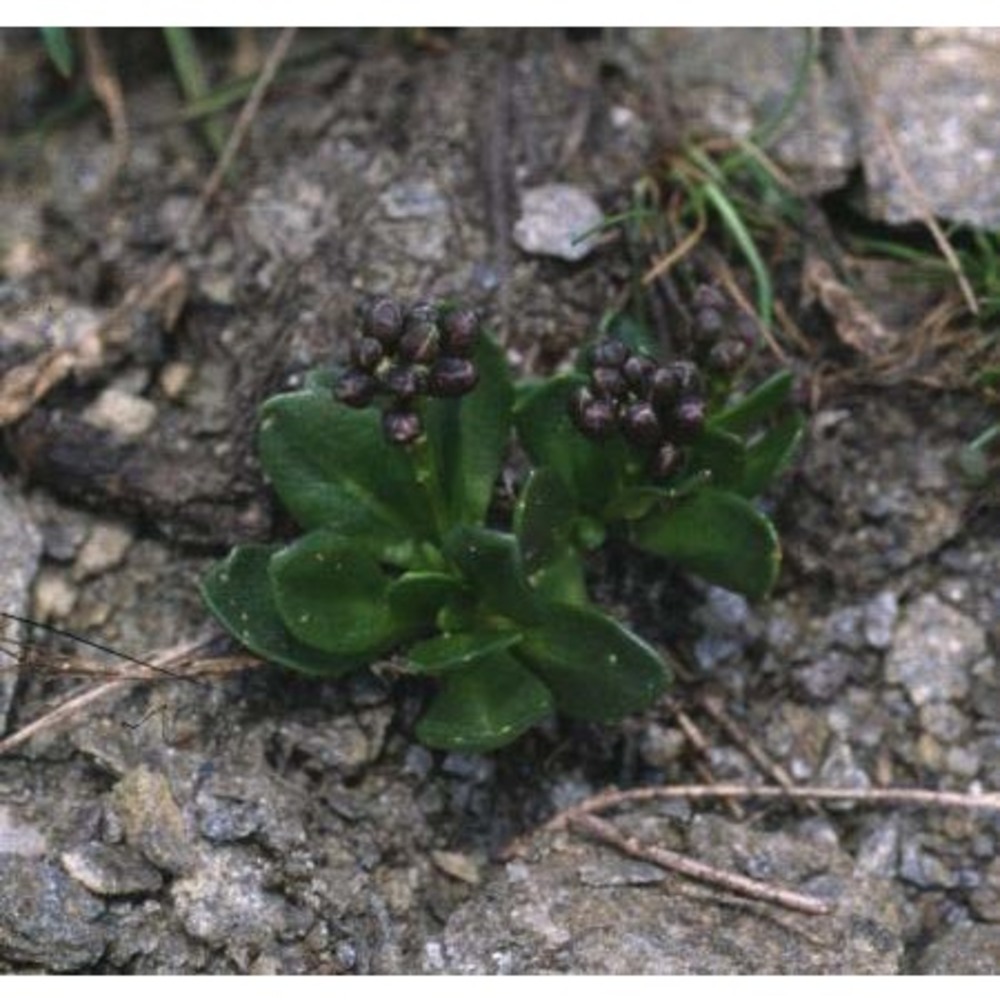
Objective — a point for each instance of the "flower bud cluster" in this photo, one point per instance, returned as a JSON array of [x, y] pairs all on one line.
[[723, 336], [656, 408], [401, 356]]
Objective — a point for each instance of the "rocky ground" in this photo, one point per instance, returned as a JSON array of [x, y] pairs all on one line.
[[257, 822]]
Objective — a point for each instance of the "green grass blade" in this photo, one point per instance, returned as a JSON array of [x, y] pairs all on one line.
[[193, 79], [59, 48]]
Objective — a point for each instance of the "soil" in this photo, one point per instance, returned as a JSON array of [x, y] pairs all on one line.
[[262, 822]]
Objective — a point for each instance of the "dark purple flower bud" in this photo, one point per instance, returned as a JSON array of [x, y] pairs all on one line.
[[593, 418], [609, 354], [404, 382], [710, 297], [383, 320], [708, 326], [401, 426], [640, 425], [461, 331], [666, 460], [746, 329], [638, 369], [671, 382], [607, 382], [452, 377], [688, 419], [366, 354], [727, 356], [355, 388], [420, 343]]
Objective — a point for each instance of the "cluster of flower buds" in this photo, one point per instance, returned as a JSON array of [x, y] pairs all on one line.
[[656, 408], [723, 336], [401, 356]]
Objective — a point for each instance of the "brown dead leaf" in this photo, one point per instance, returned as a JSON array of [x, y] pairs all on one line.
[[74, 345], [855, 324], [457, 865]]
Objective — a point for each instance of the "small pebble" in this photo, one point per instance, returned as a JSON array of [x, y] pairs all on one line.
[[122, 413], [553, 218], [54, 597], [105, 548], [108, 870], [175, 378]]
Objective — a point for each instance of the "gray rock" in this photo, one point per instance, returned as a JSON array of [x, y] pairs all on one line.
[[153, 822], [732, 81], [820, 680], [964, 950], [553, 218], [47, 919], [17, 837], [571, 906], [934, 649], [880, 614], [224, 902], [939, 92], [20, 549], [112, 870]]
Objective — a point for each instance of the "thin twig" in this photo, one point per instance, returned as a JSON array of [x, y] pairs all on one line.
[[713, 704], [920, 202], [698, 870], [681, 250], [105, 85], [165, 663], [241, 128], [614, 797], [701, 743]]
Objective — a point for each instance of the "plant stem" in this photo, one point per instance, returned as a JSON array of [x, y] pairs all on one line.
[[426, 469]]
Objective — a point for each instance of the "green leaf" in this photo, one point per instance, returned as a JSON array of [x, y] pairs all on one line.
[[491, 563], [416, 598], [332, 468], [721, 454], [591, 471], [468, 436], [238, 592], [546, 524], [755, 407], [484, 706], [768, 457], [333, 596], [717, 535], [543, 519], [595, 668], [59, 47], [452, 652]]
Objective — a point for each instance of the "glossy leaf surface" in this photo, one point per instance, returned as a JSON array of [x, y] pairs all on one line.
[[468, 436], [332, 468], [717, 535], [595, 668], [591, 471], [333, 596], [452, 652], [491, 563], [238, 592], [484, 706]]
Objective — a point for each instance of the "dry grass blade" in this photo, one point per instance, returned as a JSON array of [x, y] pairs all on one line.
[[928, 798], [902, 170], [183, 663], [698, 870], [105, 85]]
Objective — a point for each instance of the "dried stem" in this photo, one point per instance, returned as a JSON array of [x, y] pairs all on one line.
[[698, 870], [614, 797], [105, 85], [178, 664], [903, 171]]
